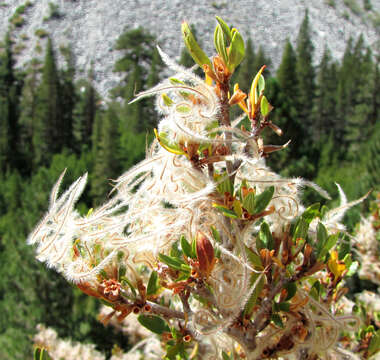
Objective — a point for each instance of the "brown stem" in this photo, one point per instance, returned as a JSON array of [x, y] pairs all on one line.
[[165, 311]]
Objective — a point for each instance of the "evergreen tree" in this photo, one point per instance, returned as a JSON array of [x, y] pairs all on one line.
[[9, 98], [324, 113], [261, 59], [68, 97], [346, 86], [305, 79], [48, 129], [372, 159], [84, 113], [28, 104], [105, 150]]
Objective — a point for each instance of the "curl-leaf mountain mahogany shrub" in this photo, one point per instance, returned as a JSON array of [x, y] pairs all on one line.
[[213, 251]]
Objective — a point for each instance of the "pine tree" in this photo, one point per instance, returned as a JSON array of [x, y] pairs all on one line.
[[324, 112], [84, 113], [305, 77], [48, 130], [68, 97], [28, 104], [372, 159], [346, 86], [9, 97], [261, 59], [105, 150]]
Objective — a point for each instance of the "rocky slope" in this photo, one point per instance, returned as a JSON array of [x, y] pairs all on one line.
[[92, 26]]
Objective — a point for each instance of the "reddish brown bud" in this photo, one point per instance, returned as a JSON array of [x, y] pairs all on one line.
[[187, 338], [237, 97], [205, 254]]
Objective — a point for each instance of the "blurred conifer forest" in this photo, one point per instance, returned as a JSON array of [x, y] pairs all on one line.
[[51, 120]]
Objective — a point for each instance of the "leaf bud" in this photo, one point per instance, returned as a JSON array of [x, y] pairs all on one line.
[[205, 254]]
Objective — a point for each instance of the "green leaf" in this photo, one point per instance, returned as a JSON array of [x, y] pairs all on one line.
[[291, 288], [258, 282], [262, 200], [249, 202], [175, 251], [301, 229], [237, 51], [216, 235], [125, 281], [311, 213], [276, 318], [186, 248], [374, 345], [41, 354], [152, 284], [238, 208], [322, 237], [283, 306], [264, 239], [220, 44], [174, 263], [254, 258], [264, 106], [167, 100], [226, 212], [225, 356], [261, 85], [225, 185], [194, 49], [225, 28], [153, 323]]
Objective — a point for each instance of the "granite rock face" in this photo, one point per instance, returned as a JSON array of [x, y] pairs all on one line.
[[91, 27]]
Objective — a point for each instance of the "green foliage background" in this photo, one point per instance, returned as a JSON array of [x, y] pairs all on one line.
[[49, 121]]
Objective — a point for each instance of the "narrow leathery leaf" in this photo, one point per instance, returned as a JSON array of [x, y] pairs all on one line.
[[220, 44], [175, 251], [249, 202], [276, 319], [226, 185], [311, 213], [252, 93], [261, 85], [301, 229], [205, 254], [194, 246], [225, 356], [291, 288], [194, 49], [167, 100], [174, 263], [237, 208], [254, 258], [175, 149], [216, 235], [225, 28], [226, 212], [374, 345], [175, 351], [264, 106], [264, 237], [152, 284], [329, 244], [183, 109], [322, 236], [126, 282], [122, 271], [258, 282], [283, 306], [262, 200], [186, 248], [236, 52], [153, 323], [175, 81]]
